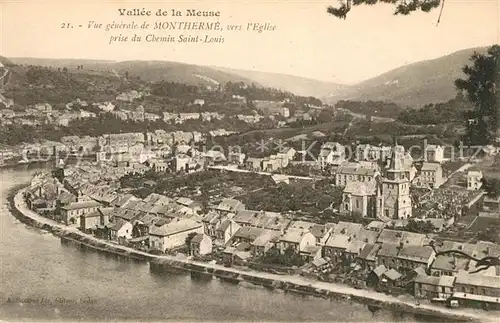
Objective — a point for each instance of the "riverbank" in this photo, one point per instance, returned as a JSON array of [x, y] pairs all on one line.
[[288, 283]]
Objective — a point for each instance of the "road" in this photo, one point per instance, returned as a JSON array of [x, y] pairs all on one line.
[[474, 314]]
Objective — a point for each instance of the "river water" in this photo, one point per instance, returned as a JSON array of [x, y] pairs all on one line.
[[41, 279]]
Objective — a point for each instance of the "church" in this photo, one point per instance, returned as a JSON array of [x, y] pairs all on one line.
[[386, 198]]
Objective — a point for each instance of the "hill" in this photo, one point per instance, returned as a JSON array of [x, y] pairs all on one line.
[[177, 72], [193, 74], [413, 85], [294, 84]]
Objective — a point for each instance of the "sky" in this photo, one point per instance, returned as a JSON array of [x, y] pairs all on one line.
[[306, 42]]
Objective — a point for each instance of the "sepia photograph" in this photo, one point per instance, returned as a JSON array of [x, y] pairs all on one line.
[[250, 161]]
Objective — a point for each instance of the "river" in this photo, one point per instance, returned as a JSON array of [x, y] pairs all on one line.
[[41, 279]]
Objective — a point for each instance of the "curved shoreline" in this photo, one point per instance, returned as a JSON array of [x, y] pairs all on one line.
[[284, 282]]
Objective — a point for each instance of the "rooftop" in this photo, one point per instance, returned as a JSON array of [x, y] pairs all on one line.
[[81, 205], [175, 226]]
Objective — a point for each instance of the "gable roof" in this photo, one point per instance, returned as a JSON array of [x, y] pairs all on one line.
[[248, 233], [347, 228], [338, 241], [81, 205], [415, 253], [118, 224], [388, 250], [361, 188], [380, 270], [430, 167], [293, 235], [392, 274], [369, 252], [265, 237], [228, 205], [177, 225]]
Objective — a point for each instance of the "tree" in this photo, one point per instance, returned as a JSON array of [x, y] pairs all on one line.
[[403, 7], [481, 89], [492, 187], [420, 226]]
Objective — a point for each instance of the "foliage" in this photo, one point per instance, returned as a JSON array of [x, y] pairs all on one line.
[[452, 111], [491, 186], [294, 197], [420, 226], [403, 7], [371, 108], [480, 86], [288, 258]]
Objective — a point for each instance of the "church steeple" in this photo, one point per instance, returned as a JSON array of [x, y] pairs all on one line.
[[396, 164]]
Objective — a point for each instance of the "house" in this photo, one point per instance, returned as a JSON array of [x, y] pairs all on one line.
[[446, 265], [261, 219], [142, 224], [335, 247], [474, 180], [331, 153], [353, 250], [236, 158], [172, 234], [321, 232], [413, 256], [188, 205], [296, 240], [70, 214], [91, 220], [434, 288], [199, 102], [210, 223], [229, 206], [181, 162], [245, 236], [372, 153], [200, 245], [120, 230], [225, 231], [431, 175], [265, 241], [434, 154], [121, 200], [375, 276], [160, 167], [477, 285], [367, 258], [272, 163], [392, 279], [254, 164], [213, 157], [360, 198], [289, 153], [387, 255], [311, 253]]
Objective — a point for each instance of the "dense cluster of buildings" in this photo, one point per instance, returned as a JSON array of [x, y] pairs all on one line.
[[391, 260]]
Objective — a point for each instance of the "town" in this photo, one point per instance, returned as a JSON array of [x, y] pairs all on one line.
[[389, 216], [253, 177]]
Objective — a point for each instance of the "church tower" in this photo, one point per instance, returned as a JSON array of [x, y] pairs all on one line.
[[395, 202]]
